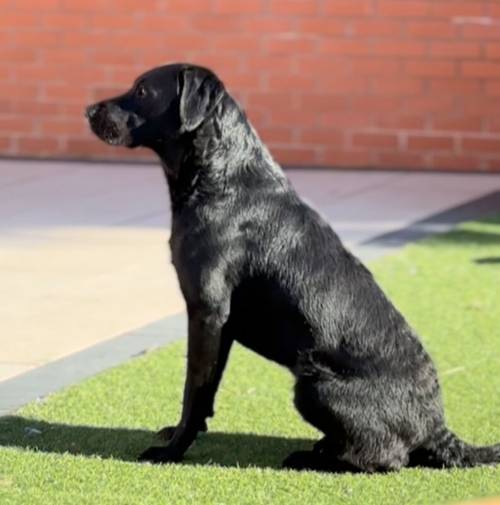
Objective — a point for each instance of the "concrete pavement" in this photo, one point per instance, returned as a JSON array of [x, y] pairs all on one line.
[[84, 260]]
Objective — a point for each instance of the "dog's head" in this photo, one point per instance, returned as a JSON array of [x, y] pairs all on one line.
[[163, 104]]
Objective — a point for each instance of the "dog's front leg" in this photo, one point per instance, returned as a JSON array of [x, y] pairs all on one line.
[[207, 355]]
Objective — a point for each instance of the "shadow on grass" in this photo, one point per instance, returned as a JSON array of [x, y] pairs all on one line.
[[212, 448], [488, 261]]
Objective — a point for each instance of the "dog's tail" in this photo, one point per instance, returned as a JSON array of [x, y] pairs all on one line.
[[446, 450]]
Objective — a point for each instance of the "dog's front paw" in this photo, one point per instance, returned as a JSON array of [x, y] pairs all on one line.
[[160, 455], [167, 433]]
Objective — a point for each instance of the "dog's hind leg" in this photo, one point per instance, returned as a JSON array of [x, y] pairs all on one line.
[[323, 458], [356, 435]]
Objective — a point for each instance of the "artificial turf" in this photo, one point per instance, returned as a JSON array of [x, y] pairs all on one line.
[[79, 445]]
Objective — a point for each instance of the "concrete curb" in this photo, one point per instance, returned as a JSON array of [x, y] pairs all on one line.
[[58, 374]]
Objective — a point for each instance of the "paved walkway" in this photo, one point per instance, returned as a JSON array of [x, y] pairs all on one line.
[[86, 277]]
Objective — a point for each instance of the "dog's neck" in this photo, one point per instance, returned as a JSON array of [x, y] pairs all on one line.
[[215, 159]]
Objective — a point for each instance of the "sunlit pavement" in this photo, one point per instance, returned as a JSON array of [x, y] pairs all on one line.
[[84, 256]]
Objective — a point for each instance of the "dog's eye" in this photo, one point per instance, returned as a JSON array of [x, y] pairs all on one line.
[[141, 91]]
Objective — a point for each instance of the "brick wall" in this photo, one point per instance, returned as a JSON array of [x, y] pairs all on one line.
[[347, 83]]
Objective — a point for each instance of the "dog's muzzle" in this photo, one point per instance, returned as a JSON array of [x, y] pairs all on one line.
[[111, 123]]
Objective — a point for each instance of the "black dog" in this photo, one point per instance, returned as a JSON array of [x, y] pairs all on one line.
[[257, 265]]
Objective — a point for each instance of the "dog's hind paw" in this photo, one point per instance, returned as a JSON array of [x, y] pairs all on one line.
[[300, 460]]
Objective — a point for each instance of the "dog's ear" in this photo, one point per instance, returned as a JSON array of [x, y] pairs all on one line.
[[200, 92]]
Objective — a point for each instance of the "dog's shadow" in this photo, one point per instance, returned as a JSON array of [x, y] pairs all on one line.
[[212, 448]]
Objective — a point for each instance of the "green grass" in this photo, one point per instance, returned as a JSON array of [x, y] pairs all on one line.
[[447, 286]]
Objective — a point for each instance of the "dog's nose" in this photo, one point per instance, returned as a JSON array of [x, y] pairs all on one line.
[[91, 111]]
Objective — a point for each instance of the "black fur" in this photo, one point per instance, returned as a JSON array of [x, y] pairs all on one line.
[[257, 265]]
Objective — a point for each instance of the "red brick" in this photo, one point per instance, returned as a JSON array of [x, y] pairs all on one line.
[[267, 25], [493, 51], [219, 24], [399, 48], [63, 126], [374, 27], [388, 67], [430, 143], [289, 44], [19, 54], [455, 49], [457, 8], [346, 47], [321, 136], [321, 103], [189, 7], [486, 106], [248, 81], [294, 156], [368, 104], [493, 165], [113, 21], [425, 68], [112, 57], [467, 123], [430, 104], [480, 69], [378, 140], [6, 144], [457, 86], [292, 7], [303, 117], [237, 42], [16, 20], [37, 4], [322, 26], [30, 106], [13, 124], [66, 92], [493, 8], [268, 64], [455, 162], [106, 5], [400, 160], [492, 88], [159, 21], [481, 31], [345, 85], [481, 144], [63, 21], [18, 91], [240, 7], [402, 86], [222, 60], [401, 121], [348, 7], [299, 82], [38, 146], [105, 92], [347, 119], [276, 134], [434, 29], [404, 8], [270, 100], [348, 159], [38, 38]]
